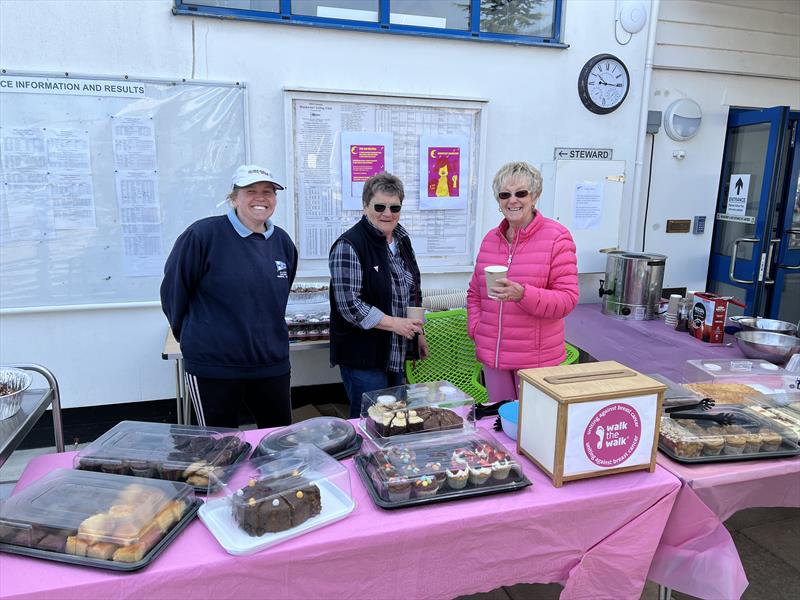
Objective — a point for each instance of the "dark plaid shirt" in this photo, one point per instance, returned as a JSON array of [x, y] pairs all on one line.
[[346, 281]]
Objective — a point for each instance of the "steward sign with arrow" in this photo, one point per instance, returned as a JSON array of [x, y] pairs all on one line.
[[583, 154], [737, 195]]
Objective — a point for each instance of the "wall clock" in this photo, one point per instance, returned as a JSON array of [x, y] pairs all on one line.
[[603, 83]]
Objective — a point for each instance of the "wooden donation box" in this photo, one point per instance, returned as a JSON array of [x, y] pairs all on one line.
[[588, 420]]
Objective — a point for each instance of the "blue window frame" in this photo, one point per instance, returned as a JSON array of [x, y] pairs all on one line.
[[531, 22]]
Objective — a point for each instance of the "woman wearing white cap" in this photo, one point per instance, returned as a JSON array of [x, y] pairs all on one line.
[[225, 288]]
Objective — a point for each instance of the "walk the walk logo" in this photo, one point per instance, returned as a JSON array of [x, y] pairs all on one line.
[[612, 435]]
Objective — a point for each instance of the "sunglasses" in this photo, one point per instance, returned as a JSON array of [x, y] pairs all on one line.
[[517, 194], [395, 208]]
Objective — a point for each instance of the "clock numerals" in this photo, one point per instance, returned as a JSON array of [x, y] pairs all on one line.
[[603, 84]]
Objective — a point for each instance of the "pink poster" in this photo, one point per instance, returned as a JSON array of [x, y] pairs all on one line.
[[366, 161], [444, 176]]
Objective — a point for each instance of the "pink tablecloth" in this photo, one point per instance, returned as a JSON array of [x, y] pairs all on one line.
[[596, 536], [696, 554]]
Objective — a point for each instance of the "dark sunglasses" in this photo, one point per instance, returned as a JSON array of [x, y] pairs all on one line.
[[395, 208], [517, 194]]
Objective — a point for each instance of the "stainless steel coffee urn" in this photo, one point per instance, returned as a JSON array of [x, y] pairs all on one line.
[[632, 285]]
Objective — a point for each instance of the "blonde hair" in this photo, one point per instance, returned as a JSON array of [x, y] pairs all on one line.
[[514, 170]]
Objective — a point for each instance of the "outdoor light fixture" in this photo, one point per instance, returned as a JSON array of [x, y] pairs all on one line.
[[682, 119]]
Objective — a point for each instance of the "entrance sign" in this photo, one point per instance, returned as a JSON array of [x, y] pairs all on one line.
[[737, 194]]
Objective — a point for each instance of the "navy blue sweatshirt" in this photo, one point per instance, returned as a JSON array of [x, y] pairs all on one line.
[[225, 297]]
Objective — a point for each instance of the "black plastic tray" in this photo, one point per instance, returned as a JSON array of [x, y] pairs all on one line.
[[354, 447], [111, 565], [470, 491], [729, 457]]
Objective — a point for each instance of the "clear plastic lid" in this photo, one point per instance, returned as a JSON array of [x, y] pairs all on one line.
[[746, 433], [329, 434], [675, 394], [781, 411], [405, 411], [442, 467], [278, 497], [95, 515], [164, 451], [761, 375]]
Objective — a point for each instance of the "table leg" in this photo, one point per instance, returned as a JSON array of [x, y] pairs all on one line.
[[186, 410], [664, 593]]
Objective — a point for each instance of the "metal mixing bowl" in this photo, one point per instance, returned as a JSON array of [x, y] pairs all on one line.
[[774, 347], [13, 383], [759, 324]]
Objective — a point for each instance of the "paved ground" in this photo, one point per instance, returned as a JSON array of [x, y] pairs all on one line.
[[768, 540]]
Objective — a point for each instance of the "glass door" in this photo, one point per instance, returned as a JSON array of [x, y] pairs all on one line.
[[783, 296], [750, 184]]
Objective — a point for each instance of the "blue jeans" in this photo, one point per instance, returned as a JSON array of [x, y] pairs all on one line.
[[358, 381]]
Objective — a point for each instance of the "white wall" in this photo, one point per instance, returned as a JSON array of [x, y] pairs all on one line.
[[111, 356]]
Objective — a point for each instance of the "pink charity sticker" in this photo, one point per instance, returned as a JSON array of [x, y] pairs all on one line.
[[612, 435]]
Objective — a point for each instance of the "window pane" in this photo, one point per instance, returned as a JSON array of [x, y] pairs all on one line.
[[260, 5], [443, 14], [354, 10], [518, 17]]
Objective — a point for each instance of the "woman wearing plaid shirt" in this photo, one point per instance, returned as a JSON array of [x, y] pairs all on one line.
[[374, 277]]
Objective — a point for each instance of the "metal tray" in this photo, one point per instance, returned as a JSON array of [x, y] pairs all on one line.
[[108, 564], [470, 491]]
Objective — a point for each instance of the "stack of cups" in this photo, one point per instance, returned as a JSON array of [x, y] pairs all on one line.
[[671, 317]]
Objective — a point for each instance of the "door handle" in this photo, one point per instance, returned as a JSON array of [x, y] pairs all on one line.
[[797, 268], [768, 265], [736, 243]]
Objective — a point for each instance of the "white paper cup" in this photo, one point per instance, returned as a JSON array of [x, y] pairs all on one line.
[[493, 273], [415, 312]]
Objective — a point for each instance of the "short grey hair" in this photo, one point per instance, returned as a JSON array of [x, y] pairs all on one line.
[[384, 183], [518, 170]]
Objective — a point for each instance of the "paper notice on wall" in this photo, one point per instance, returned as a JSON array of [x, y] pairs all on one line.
[[134, 143], [737, 195], [141, 250], [25, 207], [72, 196], [137, 197], [443, 172], [588, 205], [68, 150], [22, 148], [364, 154]]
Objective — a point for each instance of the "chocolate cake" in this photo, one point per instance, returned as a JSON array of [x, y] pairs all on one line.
[[389, 420], [268, 507]]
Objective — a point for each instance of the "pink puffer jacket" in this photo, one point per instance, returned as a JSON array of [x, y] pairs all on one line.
[[531, 331]]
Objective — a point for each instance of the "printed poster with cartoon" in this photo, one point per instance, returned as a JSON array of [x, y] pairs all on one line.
[[444, 172]]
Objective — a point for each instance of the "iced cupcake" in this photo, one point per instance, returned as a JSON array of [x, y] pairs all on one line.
[[426, 487], [734, 444], [501, 468], [398, 489], [479, 473], [712, 445], [457, 476]]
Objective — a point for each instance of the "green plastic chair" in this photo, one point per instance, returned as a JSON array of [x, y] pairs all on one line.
[[451, 354]]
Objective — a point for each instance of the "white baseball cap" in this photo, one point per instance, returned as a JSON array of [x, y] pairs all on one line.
[[249, 174]]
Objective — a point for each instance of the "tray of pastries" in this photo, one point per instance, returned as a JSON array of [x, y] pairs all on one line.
[[186, 453], [95, 519], [448, 467], [278, 497], [746, 434], [333, 435], [407, 411]]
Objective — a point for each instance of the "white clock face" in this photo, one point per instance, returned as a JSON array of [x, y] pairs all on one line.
[[607, 83]]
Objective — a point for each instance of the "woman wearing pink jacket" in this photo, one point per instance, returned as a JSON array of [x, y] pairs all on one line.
[[524, 326]]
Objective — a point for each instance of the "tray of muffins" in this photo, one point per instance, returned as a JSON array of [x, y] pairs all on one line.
[[405, 412], [113, 522], [740, 432], [278, 497], [449, 467], [200, 456], [337, 437]]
